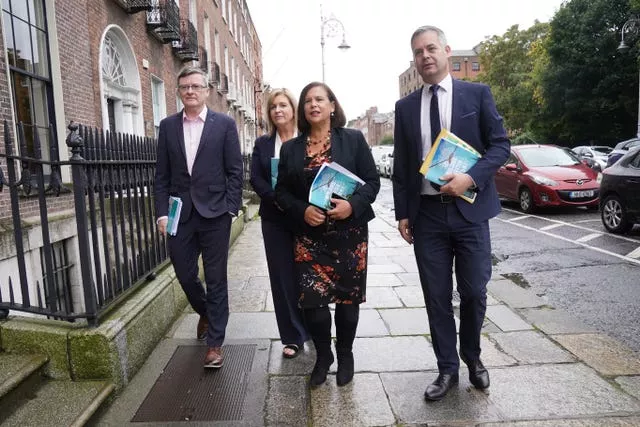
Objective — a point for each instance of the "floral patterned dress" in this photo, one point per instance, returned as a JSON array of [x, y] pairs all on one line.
[[331, 263]]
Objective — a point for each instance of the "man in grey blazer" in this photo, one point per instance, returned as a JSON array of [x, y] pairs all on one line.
[[199, 161]]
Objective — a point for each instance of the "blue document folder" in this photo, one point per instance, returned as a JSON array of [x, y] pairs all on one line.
[[175, 207], [274, 171]]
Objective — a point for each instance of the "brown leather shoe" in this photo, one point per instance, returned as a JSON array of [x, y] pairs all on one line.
[[203, 327], [214, 358]]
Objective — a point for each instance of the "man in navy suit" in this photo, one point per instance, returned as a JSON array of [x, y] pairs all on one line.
[[199, 161], [446, 231]]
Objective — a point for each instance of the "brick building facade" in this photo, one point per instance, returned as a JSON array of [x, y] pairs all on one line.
[[375, 126], [463, 64]]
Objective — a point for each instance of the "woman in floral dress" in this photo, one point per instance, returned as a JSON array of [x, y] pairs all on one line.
[[330, 246]]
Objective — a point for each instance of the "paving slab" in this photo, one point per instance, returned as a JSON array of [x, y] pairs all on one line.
[[491, 300], [287, 401], [406, 321], [247, 300], [506, 319], [393, 354], [583, 422], [602, 353], [558, 391], [363, 402], [513, 295], [382, 279], [553, 321], [301, 365], [389, 267], [493, 356], [529, 347], [411, 296], [382, 297], [258, 283], [187, 325], [631, 385], [410, 279], [268, 306], [252, 325], [408, 263], [464, 405], [370, 323]]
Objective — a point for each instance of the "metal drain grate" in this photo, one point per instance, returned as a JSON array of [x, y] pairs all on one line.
[[185, 391]]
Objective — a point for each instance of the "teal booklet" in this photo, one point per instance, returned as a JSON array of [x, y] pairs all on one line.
[[449, 154], [175, 207], [334, 181], [274, 171]]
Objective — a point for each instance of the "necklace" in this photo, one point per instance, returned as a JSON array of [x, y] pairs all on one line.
[[313, 142]]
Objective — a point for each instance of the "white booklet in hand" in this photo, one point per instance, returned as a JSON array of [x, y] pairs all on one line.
[[333, 180], [175, 207]]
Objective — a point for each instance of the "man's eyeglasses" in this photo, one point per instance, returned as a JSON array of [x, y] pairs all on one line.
[[187, 88]]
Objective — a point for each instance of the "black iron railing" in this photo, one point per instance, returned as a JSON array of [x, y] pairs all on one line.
[[246, 170], [135, 6], [118, 246], [163, 21], [187, 47]]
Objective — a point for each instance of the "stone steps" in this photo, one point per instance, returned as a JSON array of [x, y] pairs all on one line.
[[29, 398]]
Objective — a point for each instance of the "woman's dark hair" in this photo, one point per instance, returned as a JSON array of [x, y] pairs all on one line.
[[338, 119]]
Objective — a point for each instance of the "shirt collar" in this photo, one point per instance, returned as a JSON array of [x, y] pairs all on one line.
[[202, 116], [446, 84]]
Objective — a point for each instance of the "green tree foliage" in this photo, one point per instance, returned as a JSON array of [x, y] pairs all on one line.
[[588, 90], [508, 62], [387, 140]]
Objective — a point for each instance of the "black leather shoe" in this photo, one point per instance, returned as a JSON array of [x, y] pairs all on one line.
[[478, 374], [440, 387], [320, 370]]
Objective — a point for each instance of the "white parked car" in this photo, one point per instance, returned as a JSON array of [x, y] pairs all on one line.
[[380, 153]]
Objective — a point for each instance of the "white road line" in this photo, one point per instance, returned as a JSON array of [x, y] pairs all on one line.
[[604, 251], [519, 218], [589, 237], [552, 226], [583, 221], [555, 221], [634, 253]]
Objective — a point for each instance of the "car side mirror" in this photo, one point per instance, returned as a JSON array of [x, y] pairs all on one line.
[[511, 167]]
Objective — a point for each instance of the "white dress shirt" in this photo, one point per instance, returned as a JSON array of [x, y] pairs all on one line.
[[445, 97], [276, 152], [192, 130]]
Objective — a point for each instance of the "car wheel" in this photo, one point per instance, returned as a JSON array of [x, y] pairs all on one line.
[[614, 215], [526, 200]]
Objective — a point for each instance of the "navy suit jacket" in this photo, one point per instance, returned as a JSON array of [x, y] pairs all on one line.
[[214, 187], [350, 150], [474, 118], [263, 151]]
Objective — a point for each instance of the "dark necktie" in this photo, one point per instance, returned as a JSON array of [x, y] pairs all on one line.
[[434, 118], [434, 112]]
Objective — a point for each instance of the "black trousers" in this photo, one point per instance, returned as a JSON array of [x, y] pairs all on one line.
[[318, 321], [209, 237]]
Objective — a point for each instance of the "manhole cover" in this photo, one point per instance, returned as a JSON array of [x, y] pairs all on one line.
[[185, 391]]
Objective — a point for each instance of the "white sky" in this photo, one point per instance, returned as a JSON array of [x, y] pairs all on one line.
[[379, 33]]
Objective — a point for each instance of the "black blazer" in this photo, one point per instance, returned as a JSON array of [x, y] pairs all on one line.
[[474, 118], [349, 149], [214, 187], [263, 151]]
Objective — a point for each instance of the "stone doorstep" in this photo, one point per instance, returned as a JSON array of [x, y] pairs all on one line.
[[16, 369], [61, 402]]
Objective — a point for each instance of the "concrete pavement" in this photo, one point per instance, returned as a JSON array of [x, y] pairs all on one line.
[[546, 368]]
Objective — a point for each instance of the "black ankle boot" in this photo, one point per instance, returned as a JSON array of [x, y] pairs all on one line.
[[321, 369], [345, 367]]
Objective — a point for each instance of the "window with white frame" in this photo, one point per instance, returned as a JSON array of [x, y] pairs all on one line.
[[159, 103], [26, 41], [216, 45]]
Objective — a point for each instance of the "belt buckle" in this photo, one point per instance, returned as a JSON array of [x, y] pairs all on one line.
[[445, 198]]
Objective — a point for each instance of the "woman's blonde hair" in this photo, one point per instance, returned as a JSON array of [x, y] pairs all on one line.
[[292, 100]]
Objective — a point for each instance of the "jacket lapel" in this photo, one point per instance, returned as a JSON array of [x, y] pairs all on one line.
[[206, 131], [337, 151], [415, 108], [456, 106], [180, 138]]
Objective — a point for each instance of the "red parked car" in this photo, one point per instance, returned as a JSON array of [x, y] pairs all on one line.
[[547, 175]]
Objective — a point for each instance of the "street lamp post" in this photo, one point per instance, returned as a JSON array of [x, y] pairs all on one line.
[[333, 27], [631, 26]]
